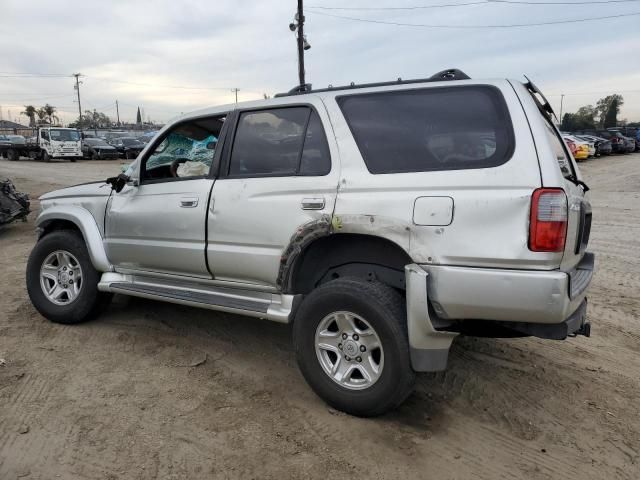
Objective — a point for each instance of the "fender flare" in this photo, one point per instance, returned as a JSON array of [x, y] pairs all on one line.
[[85, 222]]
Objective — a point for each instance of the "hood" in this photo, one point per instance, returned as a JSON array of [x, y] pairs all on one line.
[[84, 190]]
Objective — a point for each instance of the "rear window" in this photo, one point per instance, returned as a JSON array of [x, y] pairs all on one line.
[[432, 129]]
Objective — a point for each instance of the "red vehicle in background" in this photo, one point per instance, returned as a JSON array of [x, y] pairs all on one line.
[[572, 146]]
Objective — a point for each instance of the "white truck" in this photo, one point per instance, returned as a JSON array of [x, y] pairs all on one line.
[[50, 142]]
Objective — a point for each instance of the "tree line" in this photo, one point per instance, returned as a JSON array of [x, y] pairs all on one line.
[[599, 117], [47, 116], [44, 115]]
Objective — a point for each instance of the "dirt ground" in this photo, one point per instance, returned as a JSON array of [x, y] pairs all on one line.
[[152, 390]]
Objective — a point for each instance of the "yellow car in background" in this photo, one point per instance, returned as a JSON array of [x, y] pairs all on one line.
[[579, 148]]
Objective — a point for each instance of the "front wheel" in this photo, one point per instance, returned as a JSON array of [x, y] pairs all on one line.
[[61, 281], [46, 157], [12, 155], [350, 338]]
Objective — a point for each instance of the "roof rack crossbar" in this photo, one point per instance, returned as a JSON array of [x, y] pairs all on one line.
[[443, 76]]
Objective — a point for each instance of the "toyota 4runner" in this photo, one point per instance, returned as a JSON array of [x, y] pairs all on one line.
[[380, 220]]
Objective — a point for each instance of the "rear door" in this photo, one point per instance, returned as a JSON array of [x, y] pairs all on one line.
[[279, 173], [444, 170]]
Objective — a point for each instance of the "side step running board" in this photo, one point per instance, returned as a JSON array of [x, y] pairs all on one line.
[[271, 306], [190, 296]]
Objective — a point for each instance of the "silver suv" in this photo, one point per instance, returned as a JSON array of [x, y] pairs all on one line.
[[380, 220]]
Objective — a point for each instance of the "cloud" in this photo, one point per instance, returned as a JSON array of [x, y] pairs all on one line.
[[139, 51]]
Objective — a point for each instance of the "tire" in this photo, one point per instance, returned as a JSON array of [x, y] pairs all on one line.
[[95, 156], [46, 157], [87, 302], [383, 309], [12, 155]]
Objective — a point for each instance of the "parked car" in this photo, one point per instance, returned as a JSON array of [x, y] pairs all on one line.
[[109, 136], [583, 148], [128, 147], [630, 135], [630, 144], [333, 210], [618, 142], [98, 149], [573, 148], [601, 145]]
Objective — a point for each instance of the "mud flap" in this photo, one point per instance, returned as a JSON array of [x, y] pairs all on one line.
[[429, 348]]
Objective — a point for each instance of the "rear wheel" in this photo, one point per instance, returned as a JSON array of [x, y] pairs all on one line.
[[12, 155], [61, 280], [350, 338]]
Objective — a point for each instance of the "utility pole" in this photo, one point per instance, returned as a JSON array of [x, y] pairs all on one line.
[[236, 90], [561, 102], [118, 112], [301, 40], [300, 43], [78, 75]]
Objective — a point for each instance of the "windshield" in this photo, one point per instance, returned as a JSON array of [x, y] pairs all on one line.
[[64, 135], [130, 141], [96, 142]]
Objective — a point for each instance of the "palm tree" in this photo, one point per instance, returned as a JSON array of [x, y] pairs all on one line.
[[30, 112], [42, 115], [50, 111]]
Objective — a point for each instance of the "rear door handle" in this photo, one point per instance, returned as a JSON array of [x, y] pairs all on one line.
[[189, 202], [313, 203]]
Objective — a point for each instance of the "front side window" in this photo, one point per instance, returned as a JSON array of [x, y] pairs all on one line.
[[448, 128], [187, 151], [280, 142]]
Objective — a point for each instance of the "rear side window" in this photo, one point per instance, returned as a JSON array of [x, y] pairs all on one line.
[[280, 142], [559, 150], [449, 128]]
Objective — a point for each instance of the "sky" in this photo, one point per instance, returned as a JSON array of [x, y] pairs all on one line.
[[170, 57]]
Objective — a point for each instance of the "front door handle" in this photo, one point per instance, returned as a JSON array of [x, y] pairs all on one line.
[[189, 202], [313, 203]]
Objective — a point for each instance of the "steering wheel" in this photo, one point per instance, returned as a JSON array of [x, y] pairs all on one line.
[[174, 166]]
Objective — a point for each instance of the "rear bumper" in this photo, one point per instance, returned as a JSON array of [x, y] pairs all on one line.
[[489, 302], [508, 295]]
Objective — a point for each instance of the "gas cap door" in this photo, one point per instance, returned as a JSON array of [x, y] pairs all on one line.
[[433, 211]]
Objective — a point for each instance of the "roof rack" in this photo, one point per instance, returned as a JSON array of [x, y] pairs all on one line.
[[444, 75]]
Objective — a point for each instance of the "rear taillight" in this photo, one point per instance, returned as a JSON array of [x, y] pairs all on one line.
[[548, 223]]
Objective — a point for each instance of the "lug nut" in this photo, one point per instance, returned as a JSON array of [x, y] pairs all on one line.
[[363, 348], [347, 358], [64, 268], [344, 336], [358, 359], [355, 336], [340, 346]]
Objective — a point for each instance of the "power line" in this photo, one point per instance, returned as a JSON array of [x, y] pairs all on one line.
[[32, 75], [514, 25], [483, 2]]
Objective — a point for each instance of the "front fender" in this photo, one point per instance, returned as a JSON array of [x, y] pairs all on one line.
[[85, 222]]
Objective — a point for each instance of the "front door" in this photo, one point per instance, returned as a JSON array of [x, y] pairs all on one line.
[[276, 175], [160, 225]]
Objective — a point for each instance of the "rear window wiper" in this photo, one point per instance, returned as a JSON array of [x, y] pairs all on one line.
[[571, 177]]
